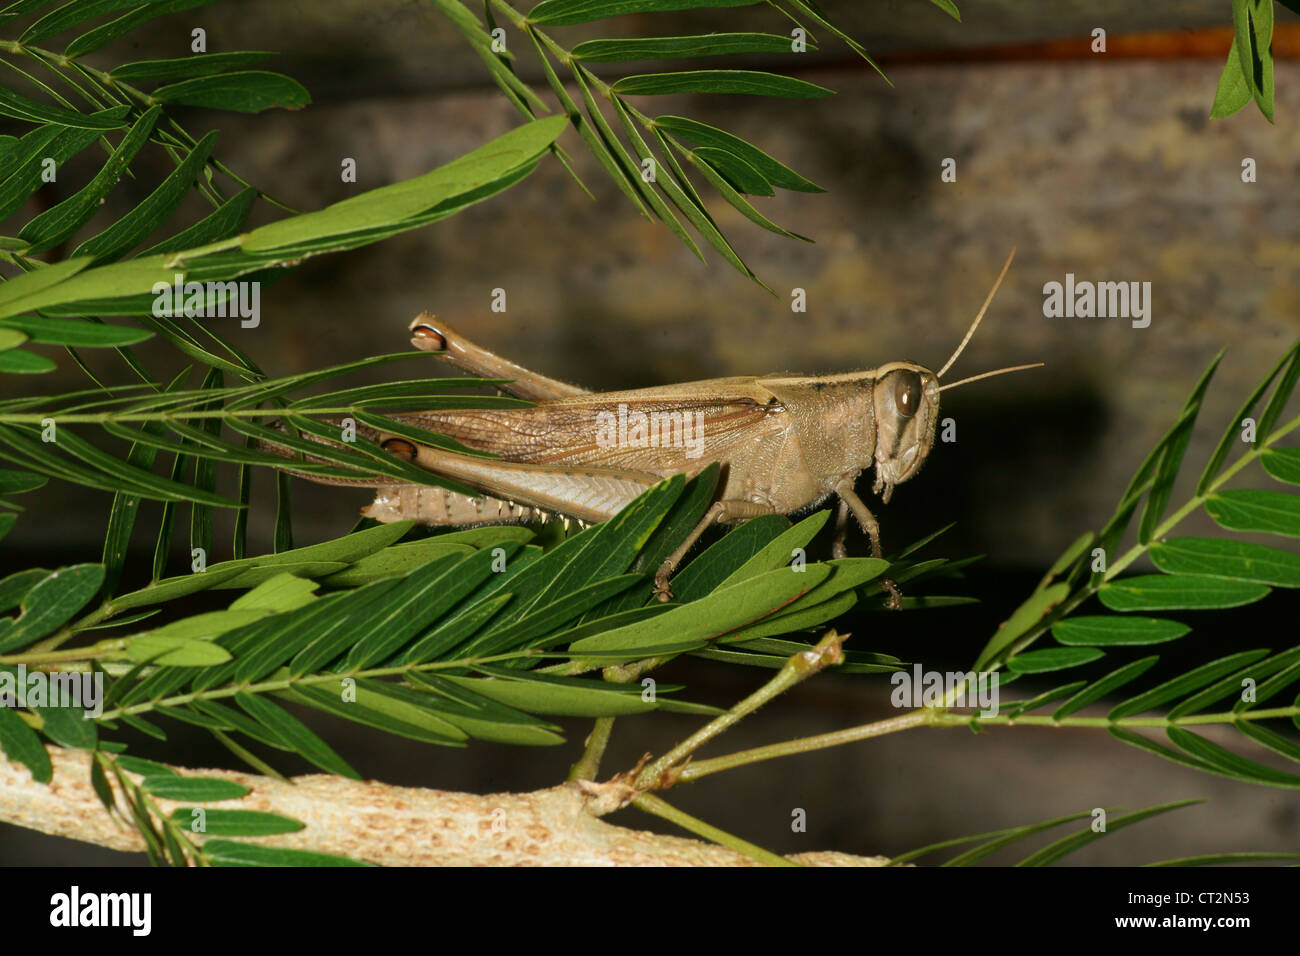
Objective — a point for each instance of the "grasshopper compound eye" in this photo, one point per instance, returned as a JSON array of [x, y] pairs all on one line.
[[399, 448], [907, 392]]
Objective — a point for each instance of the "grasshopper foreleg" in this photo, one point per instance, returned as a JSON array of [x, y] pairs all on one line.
[[869, 524]]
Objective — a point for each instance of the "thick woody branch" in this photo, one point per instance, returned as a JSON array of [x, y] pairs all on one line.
[[393, 826]]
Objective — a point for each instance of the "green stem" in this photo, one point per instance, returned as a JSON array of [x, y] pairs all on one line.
[[588, 764], [663, 772], [654, 805]]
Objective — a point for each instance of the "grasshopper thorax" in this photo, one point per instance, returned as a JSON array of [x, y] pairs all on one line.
[[905, 400]]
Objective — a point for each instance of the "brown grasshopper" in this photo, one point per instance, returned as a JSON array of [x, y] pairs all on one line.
[[785, 443]]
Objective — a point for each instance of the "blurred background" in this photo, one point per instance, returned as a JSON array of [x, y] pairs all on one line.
[[1105, 165]]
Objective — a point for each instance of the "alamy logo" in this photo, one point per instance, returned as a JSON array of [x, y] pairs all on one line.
[[917, 688], [20, 688], [1104, 300], [75, 908], [670, 428], [209, 300]]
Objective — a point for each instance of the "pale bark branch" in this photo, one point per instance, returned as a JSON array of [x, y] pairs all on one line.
[[392, 826]]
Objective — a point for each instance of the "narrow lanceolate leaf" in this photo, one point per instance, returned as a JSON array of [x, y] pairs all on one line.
[[1282, 463], [245, 91], [238, 853], [129, 231], [1053, 659], [1252, 23], [1184, 684], [245, 823], [1157, 592], [948, 7], [751, 82], [1222, 558], [1233, 433], [23, 173], [741, 204], [51, 604], [69, 15], [1281, 394], [662, 48], [692, 625], [21, 362], [391, 204], [1105, 685], [296, 734], [564, 12], [1063, 847], [62, 220], [1274, 512], [1175, 446], [74, 332], [1035, 608], [1233, 91], [776, 173], [1229, 764], [21, 745], [171, 786], [108, 32], [742, 176], [21, 108], [202, 64], [1105, 630]]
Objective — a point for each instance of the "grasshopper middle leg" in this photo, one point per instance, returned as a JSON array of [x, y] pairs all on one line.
[[849, 500]]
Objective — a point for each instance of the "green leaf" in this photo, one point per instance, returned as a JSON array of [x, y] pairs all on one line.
[[742, 205], [1282, 463], [562, 700], [564, 12], [1252, 22], [1229, 764], [169, 589], [108, 32], [279, 594], [1281, 394], [16, 482], [706, 571], [60, 221], [1053, 659], [1236, 560], [51, 604], [296, 734], [171, 786], [1063, 847], [391, 204], [19, 362], [69, 726], [1233, 91], [75, 332], [1184, 684], [1033, 610], [1105, 631], [21, 745], [948, 7], [375, 707], [11, 338], [38, 280], [1171, 458], [1246, 509], [1216, 859], [132, 229], [228, 823], [1158, 592], [235, 853], [15, 587], [202, 64], [176, 651], [739, 174], [245, 91], [20, 107], [692, 625], [661, 48], [1232, 686], [1233, 433], [69, 15], [750, 82]]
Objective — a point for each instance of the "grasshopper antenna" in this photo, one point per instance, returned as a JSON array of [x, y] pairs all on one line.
[[976, 324], [1001, 371]]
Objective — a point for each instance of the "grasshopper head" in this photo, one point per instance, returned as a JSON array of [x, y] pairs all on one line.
[[906, 402]]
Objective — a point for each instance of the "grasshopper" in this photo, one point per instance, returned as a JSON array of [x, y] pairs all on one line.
[[785, 443]]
